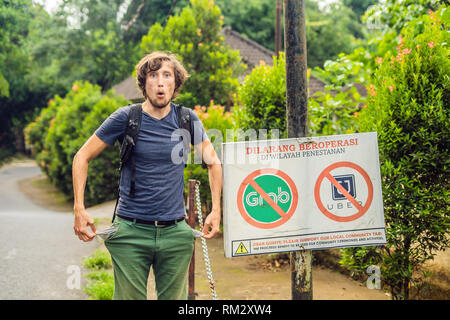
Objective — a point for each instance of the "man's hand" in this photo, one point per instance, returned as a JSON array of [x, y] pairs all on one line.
[[212, 221], [80, 226]]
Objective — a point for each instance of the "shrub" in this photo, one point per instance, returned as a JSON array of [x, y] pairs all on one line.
[[262, 98], [262, 101], [99, 260], [334, 110], [215, 121], [408, 107], [194, 35], [101, 280], [63, 127]]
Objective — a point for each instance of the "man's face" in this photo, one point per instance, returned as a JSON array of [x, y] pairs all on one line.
[[160, 85]]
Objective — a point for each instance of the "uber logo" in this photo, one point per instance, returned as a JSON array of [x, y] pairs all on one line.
[[348, 182]]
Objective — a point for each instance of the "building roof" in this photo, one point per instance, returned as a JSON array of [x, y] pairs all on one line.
[[129, 89], [251, 52]]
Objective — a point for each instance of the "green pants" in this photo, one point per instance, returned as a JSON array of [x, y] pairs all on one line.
[[135, 247]]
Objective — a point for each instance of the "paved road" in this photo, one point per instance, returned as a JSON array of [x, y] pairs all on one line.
[[39, 253]]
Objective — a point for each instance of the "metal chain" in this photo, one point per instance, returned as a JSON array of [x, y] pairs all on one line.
[[204, 247]]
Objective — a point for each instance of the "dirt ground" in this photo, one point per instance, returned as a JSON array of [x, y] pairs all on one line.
[[242, 278], [250, 278]]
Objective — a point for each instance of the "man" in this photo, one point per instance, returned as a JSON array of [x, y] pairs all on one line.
[[151, 230]]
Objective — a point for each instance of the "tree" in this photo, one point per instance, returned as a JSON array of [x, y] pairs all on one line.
[[254, 19], [359, 7], [63, 127], [408, 107], [16, 96], [261, 103], [141, 15], [194, 36], [330, 31], [394, 14], [82, 41]]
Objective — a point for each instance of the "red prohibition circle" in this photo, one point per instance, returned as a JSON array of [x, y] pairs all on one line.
[[284, 217], [361, 209]]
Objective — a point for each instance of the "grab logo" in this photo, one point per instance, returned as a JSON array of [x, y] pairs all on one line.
[[267, 198], [254, 199]]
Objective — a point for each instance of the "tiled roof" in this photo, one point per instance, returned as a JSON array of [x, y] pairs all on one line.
[[129, 89], [251, 52]]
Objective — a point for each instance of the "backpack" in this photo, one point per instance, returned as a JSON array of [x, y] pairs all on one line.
[[130, 138]]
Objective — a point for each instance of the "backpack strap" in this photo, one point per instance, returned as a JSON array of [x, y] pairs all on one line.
[[126, 149], [185, 122], [131, 133], [134, 125]]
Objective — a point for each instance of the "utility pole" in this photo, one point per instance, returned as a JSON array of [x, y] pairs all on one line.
[[278, 28], [297, 122]]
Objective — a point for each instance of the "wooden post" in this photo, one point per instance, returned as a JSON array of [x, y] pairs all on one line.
[[191, 222], [297, 122]]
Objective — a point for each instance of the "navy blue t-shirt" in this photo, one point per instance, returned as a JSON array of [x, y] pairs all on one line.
[[159, 183]]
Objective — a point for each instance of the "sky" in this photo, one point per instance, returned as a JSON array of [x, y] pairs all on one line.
[[49, 5]]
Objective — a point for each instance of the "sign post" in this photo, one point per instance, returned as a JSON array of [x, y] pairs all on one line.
[[297, 119]]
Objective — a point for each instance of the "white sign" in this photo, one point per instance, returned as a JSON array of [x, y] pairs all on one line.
[[304, 193]]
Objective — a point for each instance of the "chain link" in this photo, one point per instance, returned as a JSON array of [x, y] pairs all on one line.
[[204, 246]]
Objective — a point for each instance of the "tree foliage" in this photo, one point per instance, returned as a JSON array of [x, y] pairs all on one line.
[[82, 41], [261, 103], [216, 122], [42, 55], [329, 31], [395, 15], [17, 99], [194, 36], [141, 15], [63, 127], [408, 107], [333, 30], [254, 19]]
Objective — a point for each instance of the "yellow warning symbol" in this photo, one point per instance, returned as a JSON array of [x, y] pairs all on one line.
[[241, 249]]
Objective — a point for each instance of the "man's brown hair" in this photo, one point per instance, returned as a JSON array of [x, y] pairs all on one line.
[[153, 62]]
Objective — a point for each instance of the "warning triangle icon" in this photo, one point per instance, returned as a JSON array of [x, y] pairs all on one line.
[[241, 249]]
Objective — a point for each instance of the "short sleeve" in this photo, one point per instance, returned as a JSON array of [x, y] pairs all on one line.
[[114, 126], [198, 129]]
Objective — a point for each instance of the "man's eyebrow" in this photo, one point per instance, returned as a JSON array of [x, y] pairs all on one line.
[[162, 70]]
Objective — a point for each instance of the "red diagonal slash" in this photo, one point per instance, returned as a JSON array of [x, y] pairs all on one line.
[[343, 191], [266, 197]]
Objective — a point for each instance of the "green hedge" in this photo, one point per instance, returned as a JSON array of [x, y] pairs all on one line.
[[63, 127], [261, 102], [408, 107]]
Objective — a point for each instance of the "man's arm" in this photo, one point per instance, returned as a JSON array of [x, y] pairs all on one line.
[[215, 183], [91, 149]]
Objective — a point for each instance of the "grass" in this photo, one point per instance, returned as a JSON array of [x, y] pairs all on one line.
[[101, 285], [101, 279]]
